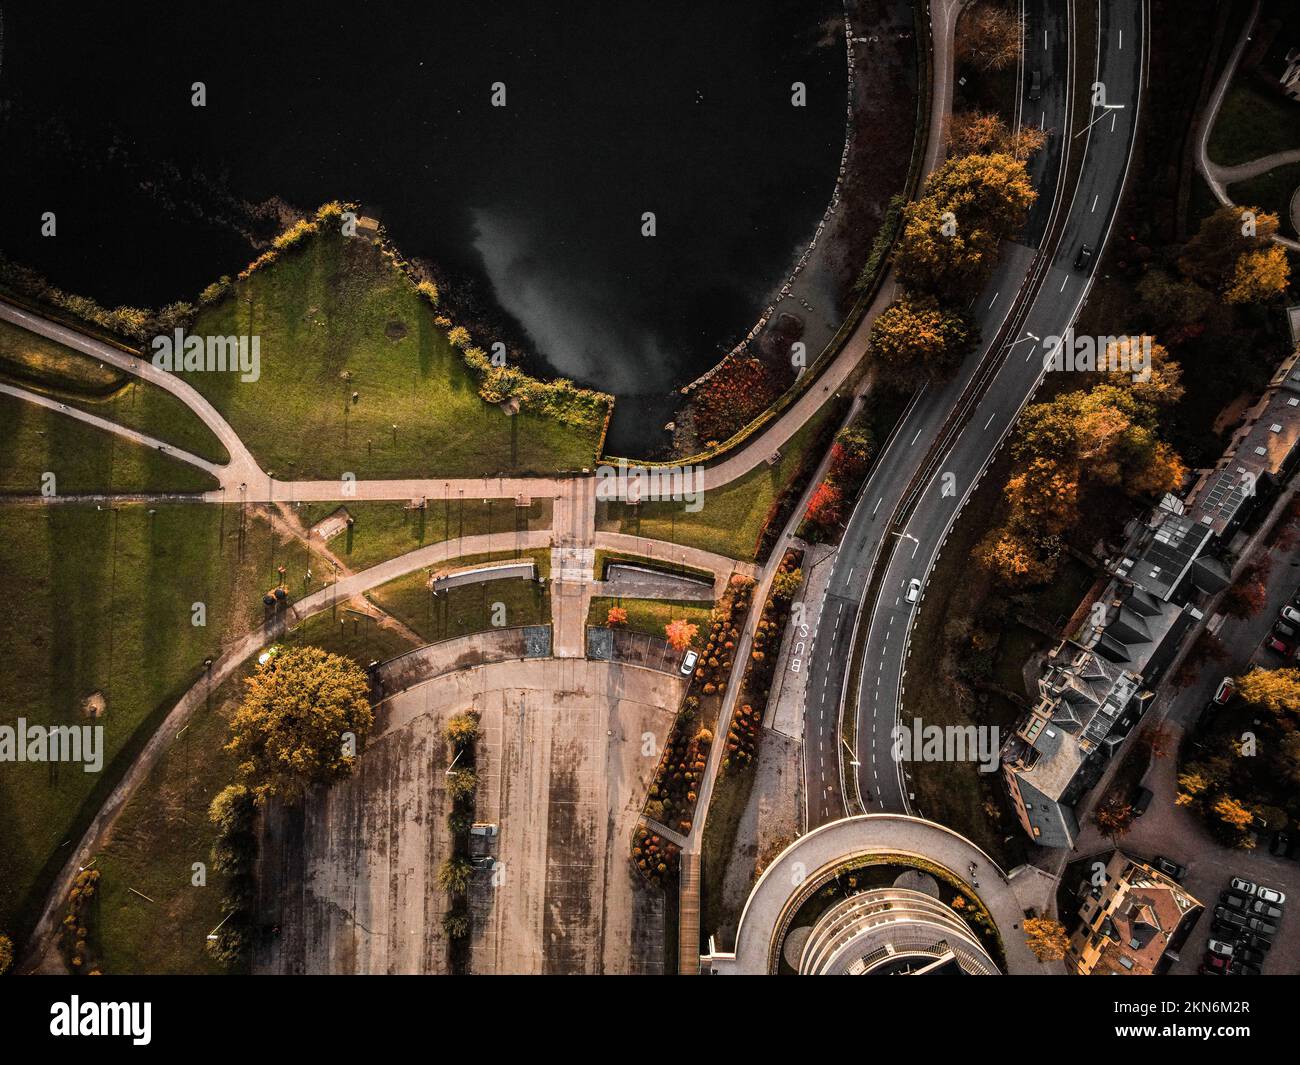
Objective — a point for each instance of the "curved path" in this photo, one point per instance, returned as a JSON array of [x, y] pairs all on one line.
[[831, 845], [1219, 177]]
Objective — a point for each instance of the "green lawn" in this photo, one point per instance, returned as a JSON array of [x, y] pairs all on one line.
[[335, 317], [32, 362], [651, 615], [1253, 123], [1271, 192], [468, 608], [164, 829], [732, 517], [383, 530], [82, 458], [101, 601]]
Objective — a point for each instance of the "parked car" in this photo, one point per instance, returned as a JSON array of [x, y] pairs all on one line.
[[1260, 908], [1243, 968], [1272, 895], [1226, 690], [1278, 844], [1283, 629], [1231, 901], [1290, 615], [1232, 920], [1243, 887], [1143, 800], [1261, 926], [1252, 942], [1219, 946], [1246, 954], [1280, 646], [1170, 867], [688, 663], [1214, 965]]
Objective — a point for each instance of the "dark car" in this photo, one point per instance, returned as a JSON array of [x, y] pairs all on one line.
[[1278, 843], [1143, 800], [1170, 867], [1233, 901], [1260, 908], [1084, 258], [1243, 968], [1261, 926], [1254, 943], [1035, 85], [1232, 920], [1253, 957]]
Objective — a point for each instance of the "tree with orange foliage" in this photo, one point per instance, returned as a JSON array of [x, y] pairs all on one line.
[[825, 507], [680, 634], [616, 618]]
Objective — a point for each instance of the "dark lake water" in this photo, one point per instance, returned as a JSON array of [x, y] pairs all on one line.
[[682, 109]]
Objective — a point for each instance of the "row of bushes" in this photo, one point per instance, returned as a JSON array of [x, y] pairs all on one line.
[[457, 871], [851, 456], [234, 813], [75, 935]]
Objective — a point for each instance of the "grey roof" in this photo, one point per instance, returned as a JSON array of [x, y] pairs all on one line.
[[1161, 566]]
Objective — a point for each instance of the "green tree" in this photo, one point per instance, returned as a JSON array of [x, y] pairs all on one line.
[[305, 714]]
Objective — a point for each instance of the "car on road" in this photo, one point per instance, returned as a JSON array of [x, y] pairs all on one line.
[[1261, 927], [1170, 868], [913, 590], [1243, 887], [1219, 946], [1226, 690], [1260, 908], [1289, 615], [1230, 919], [1272, 895], [1036, 85], [1084, 258], [688, 663]]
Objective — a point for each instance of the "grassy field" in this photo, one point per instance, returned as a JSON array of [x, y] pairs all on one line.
[[650, 615], [334, 318], [732, 517], [102, 601], [164, 829], [80, 381], [1271, 192], [468, 608], [82, 459], [383, 530], [1252, 123]]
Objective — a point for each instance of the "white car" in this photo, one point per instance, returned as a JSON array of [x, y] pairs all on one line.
[[688, 663], [1290, 615], [1268, 894], [1217, 946], [913, 590], [1244, 887]]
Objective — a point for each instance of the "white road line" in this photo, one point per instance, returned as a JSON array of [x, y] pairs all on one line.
[[1064, 283], [1121, 40], [995, 297], [877, 506], [990, 421], [1094, 203], [915, 438]]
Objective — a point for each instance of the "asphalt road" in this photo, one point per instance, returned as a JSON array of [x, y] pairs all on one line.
[[1106, 146]]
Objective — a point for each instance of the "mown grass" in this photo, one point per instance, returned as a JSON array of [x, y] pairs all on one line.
[[103, 601], [505, 603], [164, 829], [82, 458], [71, 377], [650, 615], [1271, 191], [336, 317], [1251, 124], [384, 530], [732, 517]]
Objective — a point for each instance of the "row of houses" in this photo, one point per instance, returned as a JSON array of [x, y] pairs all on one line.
[[1094, 687]]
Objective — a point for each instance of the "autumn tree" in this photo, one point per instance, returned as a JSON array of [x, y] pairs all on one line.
[[461, 730], [6, 954], [1233, 813], [984, 133], [914, 336], [304, 717], [950, 236], [455, 874], [1172, 303], [1277, 690], [616, 617], [825, 507], [680, 634], [1015, 559], [455, 924], [462, 783], [1046, 938], [1114, 817], [1259, 276], [1210, 257], [989, 38], [786, 583]]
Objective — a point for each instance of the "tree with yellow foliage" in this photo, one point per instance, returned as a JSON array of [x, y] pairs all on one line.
[[1210, 257], [914, 337], [1259, 276], [983, 133], [1046, 938], [1233, 813], [1274, 689]]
